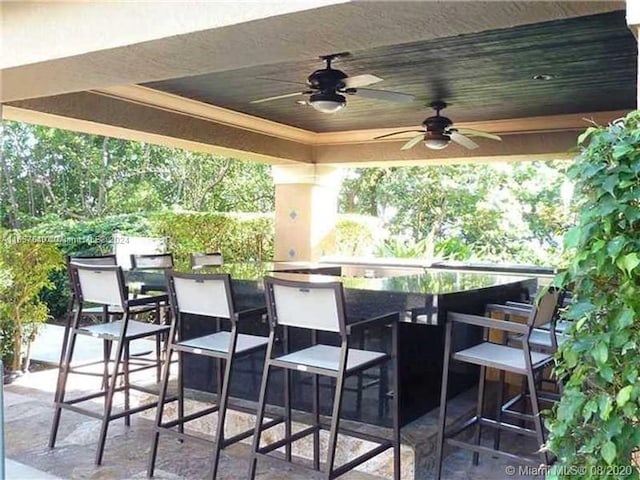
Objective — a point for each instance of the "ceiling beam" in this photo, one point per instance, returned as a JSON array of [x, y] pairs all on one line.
[[174, 103], [513, 147], [102, 114], [98, 114]]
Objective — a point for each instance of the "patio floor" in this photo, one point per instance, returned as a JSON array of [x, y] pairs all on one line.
[[28, 412]]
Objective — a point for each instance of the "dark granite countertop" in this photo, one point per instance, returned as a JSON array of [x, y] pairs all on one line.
[[431, 282]]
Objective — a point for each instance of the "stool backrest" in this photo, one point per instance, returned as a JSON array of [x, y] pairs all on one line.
[[102, 284], [199, 260], [154, 261], [545, 308], [93, 260], [310, 305], [209, 295], [125, 245]]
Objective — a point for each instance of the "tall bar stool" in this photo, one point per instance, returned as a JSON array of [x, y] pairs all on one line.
[[209, 296], [104, 285], [100, 312], [546, 339], [522, 361], [151, 261], [320, 307], [199, 260]]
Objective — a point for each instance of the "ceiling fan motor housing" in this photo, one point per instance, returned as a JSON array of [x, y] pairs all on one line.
[[327, 80], [437, 124]]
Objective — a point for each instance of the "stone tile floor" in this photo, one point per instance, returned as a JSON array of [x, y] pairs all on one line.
[[28, 412]]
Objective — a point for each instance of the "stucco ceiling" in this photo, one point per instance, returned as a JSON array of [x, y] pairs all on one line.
[[484, 75]]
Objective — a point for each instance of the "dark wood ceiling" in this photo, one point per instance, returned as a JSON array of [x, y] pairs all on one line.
[[483, 76]]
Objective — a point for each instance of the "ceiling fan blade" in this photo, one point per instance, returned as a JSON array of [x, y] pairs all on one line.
[[478, 133], [282, 81], [413, 142], [385, 95], [462, 140], [278, 97], [396, 133], [361, 81]]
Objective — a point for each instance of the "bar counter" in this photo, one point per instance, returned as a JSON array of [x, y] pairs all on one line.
[[421, 297]]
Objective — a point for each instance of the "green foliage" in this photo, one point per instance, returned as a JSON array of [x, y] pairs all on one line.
[[357, 235], [80, 237], [48, 171], [596, 423], [24, 269], [495, 212], [239, 237]]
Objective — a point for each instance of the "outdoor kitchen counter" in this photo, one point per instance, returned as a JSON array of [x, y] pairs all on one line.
[[421, 297]]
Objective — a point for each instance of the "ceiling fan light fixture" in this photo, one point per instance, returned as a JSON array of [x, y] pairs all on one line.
[[327, 102], [436, 141]]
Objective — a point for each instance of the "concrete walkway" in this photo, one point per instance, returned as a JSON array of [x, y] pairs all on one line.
[[20, 471]]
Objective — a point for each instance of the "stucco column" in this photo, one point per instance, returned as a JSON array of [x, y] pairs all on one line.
[[306, 210]]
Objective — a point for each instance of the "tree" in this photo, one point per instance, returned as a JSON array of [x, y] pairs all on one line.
[[491, 212], [47, 171]]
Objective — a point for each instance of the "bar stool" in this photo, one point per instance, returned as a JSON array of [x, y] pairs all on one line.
[[151, 261], [522, 361], [210, 296], [199, 260], [320, 307], [104, 285], [100, 312], [546, 339]]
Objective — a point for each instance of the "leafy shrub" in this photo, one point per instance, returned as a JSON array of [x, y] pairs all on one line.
[[80, 237], [357, 235], [25, 268], [595, 426], [240, 237]]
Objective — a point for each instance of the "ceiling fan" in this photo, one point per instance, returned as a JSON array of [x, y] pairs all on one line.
[[439, 132], [328, 86]]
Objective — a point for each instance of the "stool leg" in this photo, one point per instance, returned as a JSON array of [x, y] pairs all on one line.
[[65, 341], [260, 414], [287, 413], [162, 395], [158, 321], [537, 420], [127, 393], [108, 404], [443, 401], [396, 402], [383, 391], [106, 355], [222, 411], [360, 379], [479, 410], [63, 374], [180, 391], [316, 421], [496, 438], [335, 423]]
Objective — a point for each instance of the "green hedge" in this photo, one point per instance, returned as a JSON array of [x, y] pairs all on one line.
[[240, 237]]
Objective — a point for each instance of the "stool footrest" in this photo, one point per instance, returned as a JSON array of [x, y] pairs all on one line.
[[350, 465], [488, 422], [490, 451], [294, 437], [190, 417]]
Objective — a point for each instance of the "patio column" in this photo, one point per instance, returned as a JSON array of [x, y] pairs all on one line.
[[306, 210]]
